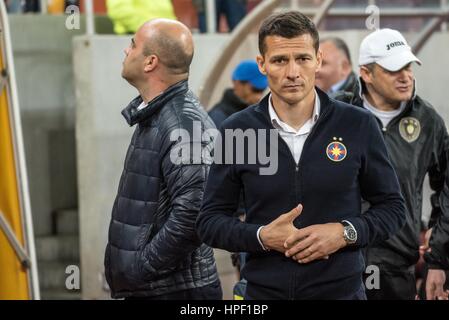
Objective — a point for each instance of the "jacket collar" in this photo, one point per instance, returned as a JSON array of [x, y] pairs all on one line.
[[133, 116], [232, 101], [325, 104]]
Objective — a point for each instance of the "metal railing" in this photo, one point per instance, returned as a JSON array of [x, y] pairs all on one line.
[[20, 251]]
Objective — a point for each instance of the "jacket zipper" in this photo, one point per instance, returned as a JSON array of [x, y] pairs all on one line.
[[396, 119], [297, 164]]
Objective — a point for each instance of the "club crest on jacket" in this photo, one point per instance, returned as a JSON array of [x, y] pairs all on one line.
[[336, 151], [409, 128]]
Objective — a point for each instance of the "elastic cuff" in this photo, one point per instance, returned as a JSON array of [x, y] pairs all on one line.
[[432, 266]]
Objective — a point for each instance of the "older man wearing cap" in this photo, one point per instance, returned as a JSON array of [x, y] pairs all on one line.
[[417, 140], [248, 87]]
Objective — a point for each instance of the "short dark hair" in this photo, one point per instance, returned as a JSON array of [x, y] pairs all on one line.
[[340, 44], [288, 25], [370, 66], [170, 52]]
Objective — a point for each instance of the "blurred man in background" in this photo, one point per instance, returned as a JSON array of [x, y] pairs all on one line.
[[248, 85], [336, 72], [233, 10], [129, 15], [13, 6]]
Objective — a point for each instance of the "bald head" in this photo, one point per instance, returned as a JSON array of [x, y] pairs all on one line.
[[171, 42]]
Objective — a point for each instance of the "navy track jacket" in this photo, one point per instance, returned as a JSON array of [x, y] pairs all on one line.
[[329, 187]]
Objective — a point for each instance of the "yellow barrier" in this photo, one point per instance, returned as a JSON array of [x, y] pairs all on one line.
[[13, 277]]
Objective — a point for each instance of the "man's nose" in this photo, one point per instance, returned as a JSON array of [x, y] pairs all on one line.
[[405, 75], [293, 70], [126, 51]]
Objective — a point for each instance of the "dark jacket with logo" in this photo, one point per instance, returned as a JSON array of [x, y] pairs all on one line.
[[152, 247], [417, 143], [329, 190]]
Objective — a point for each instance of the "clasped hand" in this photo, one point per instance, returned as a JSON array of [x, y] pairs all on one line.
[[303, 245]]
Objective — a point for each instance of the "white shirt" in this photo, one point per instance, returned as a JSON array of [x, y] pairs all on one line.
[[295, 139], [384, 116], [337, 85]]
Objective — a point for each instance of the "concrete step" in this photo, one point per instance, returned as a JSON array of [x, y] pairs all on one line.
[[61, 295], [223, 261], [226, 271], [58, 248], [67, 222], [52, 275]]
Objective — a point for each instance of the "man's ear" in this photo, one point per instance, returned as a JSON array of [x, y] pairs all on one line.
[[151, 62], [319, 59], [366, 74], [261, 63], [346, 66]]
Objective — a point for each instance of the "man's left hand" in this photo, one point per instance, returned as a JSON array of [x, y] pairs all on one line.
[[315, 242], [435, 285]]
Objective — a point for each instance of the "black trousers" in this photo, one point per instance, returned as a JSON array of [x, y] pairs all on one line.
[[394, 284], [210, 292], [255, 292]]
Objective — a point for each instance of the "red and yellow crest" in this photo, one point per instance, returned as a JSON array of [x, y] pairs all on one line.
[[336, 151]]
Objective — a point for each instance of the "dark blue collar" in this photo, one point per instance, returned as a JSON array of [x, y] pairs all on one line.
[[133, 116]]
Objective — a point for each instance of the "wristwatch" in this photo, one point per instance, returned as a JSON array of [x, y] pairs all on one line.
[[349, 232]]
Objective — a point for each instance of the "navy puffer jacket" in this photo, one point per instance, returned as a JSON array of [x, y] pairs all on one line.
[[152, 247]]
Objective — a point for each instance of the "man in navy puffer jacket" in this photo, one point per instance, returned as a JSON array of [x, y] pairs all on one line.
[[153, 250]]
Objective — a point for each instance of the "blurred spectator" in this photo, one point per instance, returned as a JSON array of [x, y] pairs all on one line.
[[336, 72], [233, 10], [59, 6], [129, 15], [68, 3], [248, 87], [55, 6], [13, 6], [32, 6]]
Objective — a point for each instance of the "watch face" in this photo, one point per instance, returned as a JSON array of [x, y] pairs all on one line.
[[352, 235]]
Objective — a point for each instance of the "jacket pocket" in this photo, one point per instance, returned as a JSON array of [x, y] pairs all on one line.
[[145, 236]]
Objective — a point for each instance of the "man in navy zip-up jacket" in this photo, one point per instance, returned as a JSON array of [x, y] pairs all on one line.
[[304, 229]]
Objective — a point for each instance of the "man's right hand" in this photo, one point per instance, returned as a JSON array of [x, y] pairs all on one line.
[[273, 235]]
